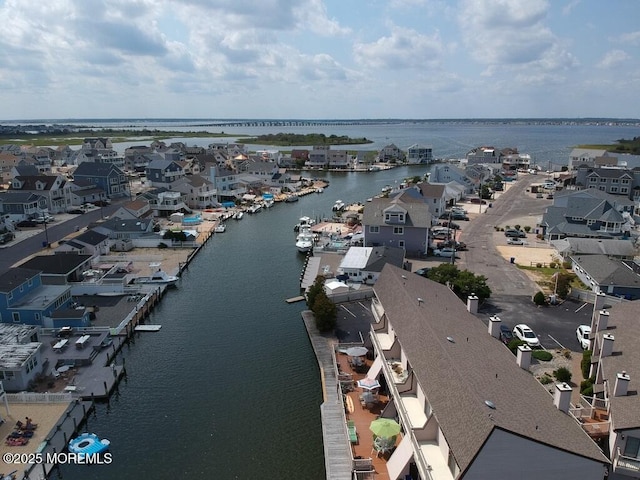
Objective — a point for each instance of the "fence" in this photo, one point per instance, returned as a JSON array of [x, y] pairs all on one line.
[[30, 397], [351, 295], [590, 297]]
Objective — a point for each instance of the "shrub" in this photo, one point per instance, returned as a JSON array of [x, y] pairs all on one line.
[[542, 355], [586, 387], [545, 379], [566, 353], [517, 227], [566, 265], [539, 299], [585, 363], [514, 344], [507, 227], [538, 265], [553, 265], [562, 374], [325, 313], [162, 245], [527, 228]]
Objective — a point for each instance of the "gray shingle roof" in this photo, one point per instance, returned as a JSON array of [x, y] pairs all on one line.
[[459, 377], [625, 410], [418, 214], [608, 271], [593, 246]]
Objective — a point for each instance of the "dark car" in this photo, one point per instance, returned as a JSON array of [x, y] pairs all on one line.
[[506, 335], [423, 272], [76, 211], [457, 216], [65, 332], [102, 203], [26, 223], [478, 201], [450, 243], [452, 225]]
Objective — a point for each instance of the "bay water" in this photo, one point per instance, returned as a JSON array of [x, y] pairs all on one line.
[[229, 388]]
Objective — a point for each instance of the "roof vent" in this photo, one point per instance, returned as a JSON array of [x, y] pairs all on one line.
[[420, 301], [450, 339], [490, 404]]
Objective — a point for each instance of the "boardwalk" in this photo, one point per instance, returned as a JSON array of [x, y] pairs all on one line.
[[337, 451]]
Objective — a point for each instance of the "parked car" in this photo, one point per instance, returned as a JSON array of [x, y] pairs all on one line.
[[76, 211], [44, 219], [102, 203], [65, 332], [444, 252], [26, 223], [452, 225], [452, 244], [478, 201], [459, 216], [524, 333], [550, 196], [515, 233], [583, 332], [445, 216], [423, 272], [515, 241], [505, 334]]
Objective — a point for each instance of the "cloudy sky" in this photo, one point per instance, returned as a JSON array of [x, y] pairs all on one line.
[[319, 58]]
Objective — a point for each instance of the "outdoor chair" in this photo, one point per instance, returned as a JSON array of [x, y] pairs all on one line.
[[353, 433]]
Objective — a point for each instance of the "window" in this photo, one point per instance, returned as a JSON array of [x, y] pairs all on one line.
[[16, 317], [632, 447], [374, 229], [603, 180], [614, 180], [624, 190], [593, 179], [401, 243], [614, 189], [625, 181], [398, 230], [590, 222]]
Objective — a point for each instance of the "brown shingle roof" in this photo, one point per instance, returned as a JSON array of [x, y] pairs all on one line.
[[458, 377]]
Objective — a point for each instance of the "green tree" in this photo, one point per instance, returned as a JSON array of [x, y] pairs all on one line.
[[462, 282], [563, 284], [485, 192], [444, 273], [314, 290], [325, 313]]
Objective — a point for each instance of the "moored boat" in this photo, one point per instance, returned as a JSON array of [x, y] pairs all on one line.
[[338, 206], [160, 277], [220, 228], [305, 239], [239, 215]]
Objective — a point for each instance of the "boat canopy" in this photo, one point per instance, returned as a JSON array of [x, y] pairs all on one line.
[[228, 204]]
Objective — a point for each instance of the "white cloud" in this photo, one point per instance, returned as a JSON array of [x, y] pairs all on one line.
[[613, 58], [403, 48], [631, 38]]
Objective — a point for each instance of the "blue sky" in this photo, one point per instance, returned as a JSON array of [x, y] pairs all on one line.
[[319, 59]]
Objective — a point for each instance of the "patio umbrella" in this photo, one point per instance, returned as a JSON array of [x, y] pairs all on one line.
[[357, 351], [369, 383], [385, 427]]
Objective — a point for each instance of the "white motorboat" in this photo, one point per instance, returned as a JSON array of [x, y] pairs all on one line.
[[220, 228], [160, 277], [338, 206], [303, 222], [305, 240], [239, 215]]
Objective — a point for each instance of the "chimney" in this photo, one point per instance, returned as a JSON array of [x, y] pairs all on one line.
[[472, 303], [494, 326], [523, 358], [603, 320], [622, 384], [607, 345], [562, 397]]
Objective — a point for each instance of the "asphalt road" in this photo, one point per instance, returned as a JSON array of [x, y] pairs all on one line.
[[56, 231]]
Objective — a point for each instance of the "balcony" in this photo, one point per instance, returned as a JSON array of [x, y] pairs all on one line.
[[626, 465], [593, 416]]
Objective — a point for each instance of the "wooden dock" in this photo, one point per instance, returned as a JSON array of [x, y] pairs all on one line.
[[147, 328]]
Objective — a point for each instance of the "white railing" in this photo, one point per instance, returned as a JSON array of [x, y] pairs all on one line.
[[628, 463], [30, 397]]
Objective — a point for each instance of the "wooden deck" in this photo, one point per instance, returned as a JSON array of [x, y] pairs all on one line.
[[363, 415]]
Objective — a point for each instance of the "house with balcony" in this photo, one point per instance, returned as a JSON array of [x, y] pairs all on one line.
[[162, 173], [402, 221], [391, 154], [512, 160], [25, 299], [614, 181], [83, 191], [584, 214], [339, 159], [106, 176], [54, 188], [227, 183], [612, 413], [418, 153], [20, 357], [21, 205], [465, 407], [612, 276], [200, 191], [318, 157], [483, 154], [446, 173]]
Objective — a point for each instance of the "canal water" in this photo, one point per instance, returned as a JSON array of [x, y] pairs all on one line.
[[229, 388]]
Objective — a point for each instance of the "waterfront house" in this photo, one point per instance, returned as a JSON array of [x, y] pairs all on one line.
[[339, 159], [435, 197], [612, 414], [54, 188], [226, 183], [483, 154], [20, 206], [164, 202], [20, 356], [615, 181], [512, 160], [465, 406], [608, 275], [137, 208], [402, 221], [417, 153], [106, 176], [446, 173], [585, 157], [124, 228], [199, 191], [391, 154], [364, 264], [25, 299], [60, 269], [318, 157]]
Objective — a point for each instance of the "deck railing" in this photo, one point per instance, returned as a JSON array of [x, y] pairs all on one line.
[[31, 397], [628, 463]]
